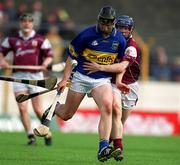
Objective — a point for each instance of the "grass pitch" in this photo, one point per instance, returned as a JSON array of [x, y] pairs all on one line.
[[81, 149]]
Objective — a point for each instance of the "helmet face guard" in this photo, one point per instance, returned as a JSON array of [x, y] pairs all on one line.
[[105, 21], [26, 16], [125, 21]]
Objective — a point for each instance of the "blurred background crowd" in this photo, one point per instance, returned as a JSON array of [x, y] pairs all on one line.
[[157, 28]]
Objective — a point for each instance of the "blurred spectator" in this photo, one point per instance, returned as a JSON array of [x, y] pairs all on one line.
[[57, 43], [176, 70], [1, 12], [51, 20], [160, 68], [65, 19], [37, 13], [10, 10], [22, 8]]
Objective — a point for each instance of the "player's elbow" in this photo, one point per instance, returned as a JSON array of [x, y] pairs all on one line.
[[122, 66], [121, 69]]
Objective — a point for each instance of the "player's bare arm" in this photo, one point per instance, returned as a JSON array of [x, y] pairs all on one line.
[[67, 72], [114, 68], [46, 62], [3, 63], [120, 85]]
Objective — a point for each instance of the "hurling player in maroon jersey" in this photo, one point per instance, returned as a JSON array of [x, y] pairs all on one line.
[[128, 71], [29, 48]]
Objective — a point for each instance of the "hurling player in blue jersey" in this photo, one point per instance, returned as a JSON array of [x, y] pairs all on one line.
[[127, 75], [101, 44]]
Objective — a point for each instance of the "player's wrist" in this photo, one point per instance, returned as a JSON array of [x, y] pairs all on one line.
[[45, 65], [101, 68]]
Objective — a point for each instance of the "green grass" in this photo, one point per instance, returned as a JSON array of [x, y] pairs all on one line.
[[81, 149]]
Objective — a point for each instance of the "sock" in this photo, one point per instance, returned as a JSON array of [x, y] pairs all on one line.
[[102, 145], [30, 132], [118, 143], [110, 140], [31, 136]]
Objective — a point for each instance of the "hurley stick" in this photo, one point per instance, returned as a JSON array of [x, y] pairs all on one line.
[[48, 83], [43, 129], [55, 67], [23, 97]]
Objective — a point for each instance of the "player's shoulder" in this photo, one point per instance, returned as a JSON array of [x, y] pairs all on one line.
[[86, 34], [12, 38], [132, 41], [40, 39], [39, 36]]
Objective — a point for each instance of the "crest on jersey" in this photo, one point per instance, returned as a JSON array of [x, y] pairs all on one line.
[[18, 43], [94, 43], [131, 51], [34, 43], [115, 45], [128, 52]]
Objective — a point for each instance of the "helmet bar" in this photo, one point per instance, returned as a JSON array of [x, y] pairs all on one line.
[[26, 16]]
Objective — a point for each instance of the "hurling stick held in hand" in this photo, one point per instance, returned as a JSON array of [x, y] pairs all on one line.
[[55, 67], [23, 97], [43, 129], [48, 83]]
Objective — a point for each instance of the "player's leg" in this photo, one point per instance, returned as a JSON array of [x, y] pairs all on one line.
[[77, 90], [23, 107], [129, 101], [104, 103], [117, 127], [37, 103], [116, 117], [67, 110], [125, 115], [26, 121], [37, 106], [75, 95]]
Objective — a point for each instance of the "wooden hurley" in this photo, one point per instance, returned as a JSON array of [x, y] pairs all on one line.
[[48, 83]]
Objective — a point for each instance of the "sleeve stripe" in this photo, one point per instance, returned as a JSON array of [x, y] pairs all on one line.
[[46, 44], [5, 43]]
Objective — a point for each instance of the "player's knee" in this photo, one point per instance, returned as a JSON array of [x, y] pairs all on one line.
[[23, 110], [38, 111], [108, 108], [117, 111]]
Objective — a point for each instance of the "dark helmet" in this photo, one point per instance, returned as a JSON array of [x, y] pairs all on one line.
[[124, 20], [26, 16], [107, 13]]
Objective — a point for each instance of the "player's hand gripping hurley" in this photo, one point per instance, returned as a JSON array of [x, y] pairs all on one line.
[[43, 129]]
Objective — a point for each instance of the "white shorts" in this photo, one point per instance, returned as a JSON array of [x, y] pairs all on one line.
[[128, 100], [19, 87], [85, 84]]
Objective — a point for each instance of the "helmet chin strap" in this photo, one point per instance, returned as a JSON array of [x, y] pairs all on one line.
[[26, 30]]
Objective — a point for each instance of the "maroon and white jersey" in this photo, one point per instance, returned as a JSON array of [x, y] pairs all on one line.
[[30, 50], [133, 55]]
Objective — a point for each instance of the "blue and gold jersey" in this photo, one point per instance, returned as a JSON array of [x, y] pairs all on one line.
[[91, 46]]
